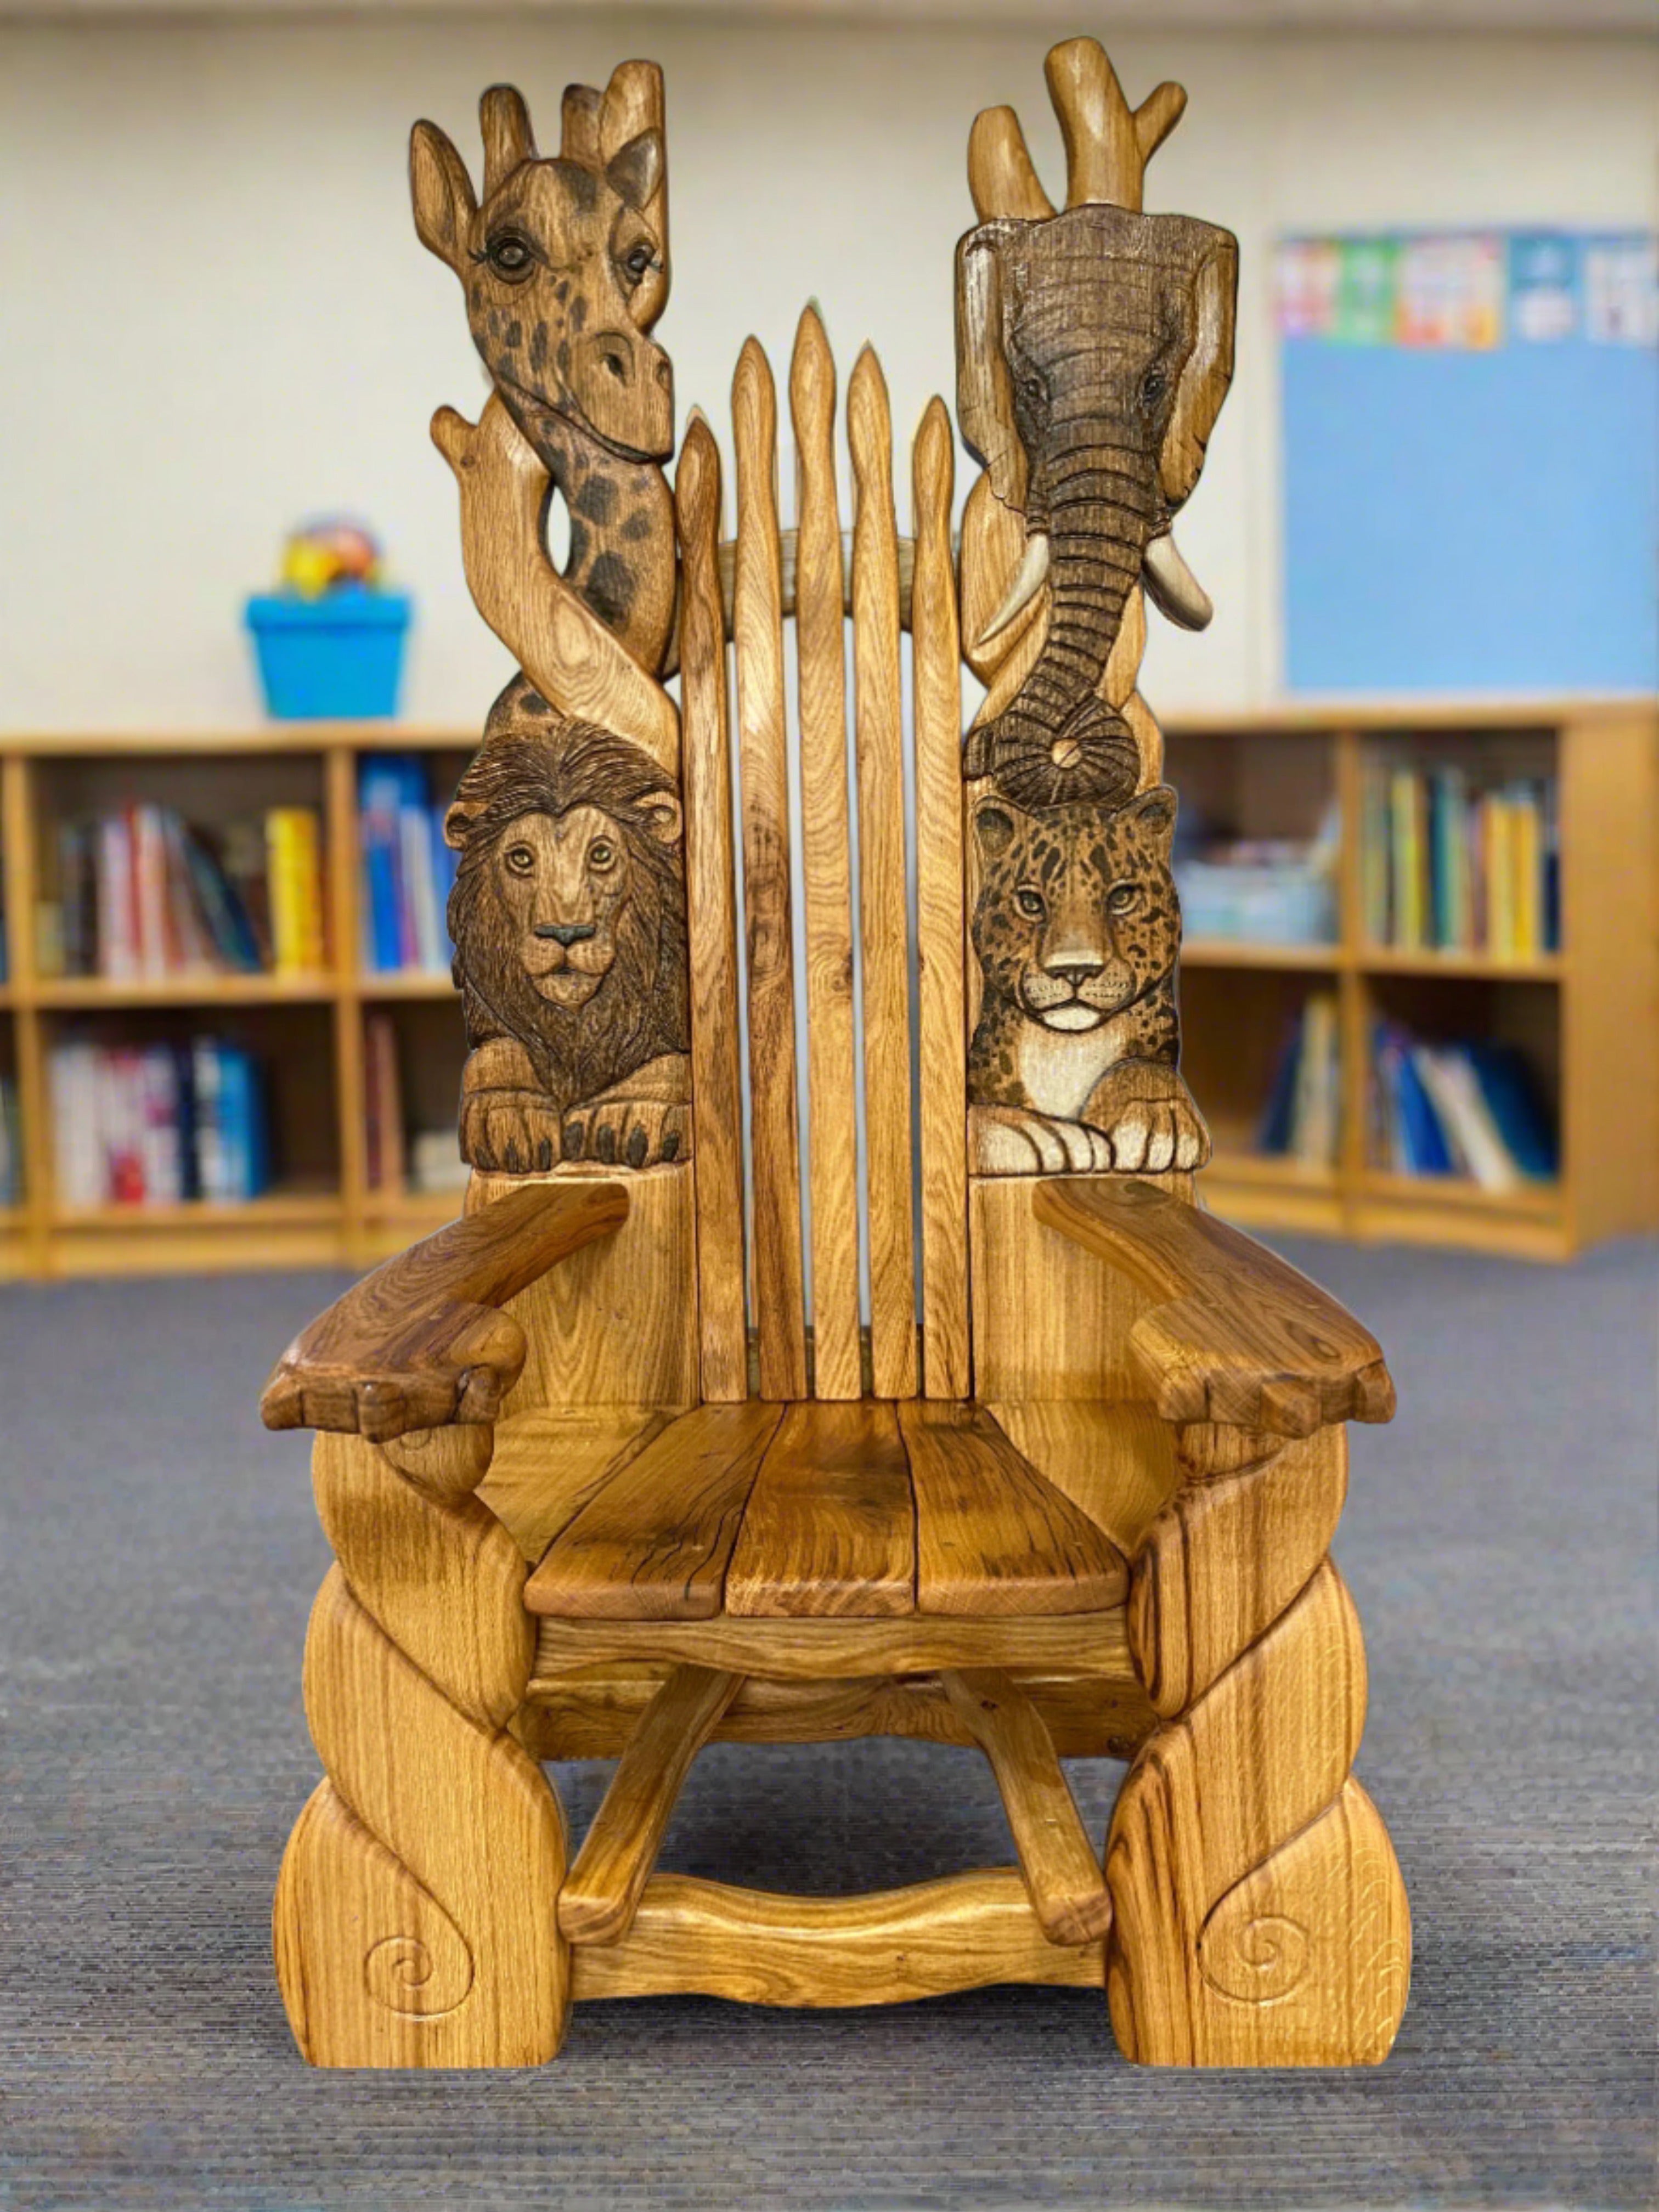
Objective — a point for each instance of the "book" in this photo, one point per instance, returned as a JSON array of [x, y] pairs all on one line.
[[1445, 866], [294, 846], [1302, 1119], [408, 870], [158, 1124], [1468, 1108]]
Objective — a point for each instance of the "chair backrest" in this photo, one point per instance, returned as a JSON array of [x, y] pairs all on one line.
[[883, 1002]]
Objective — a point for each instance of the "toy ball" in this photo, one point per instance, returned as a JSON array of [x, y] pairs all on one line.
[[330, 555]]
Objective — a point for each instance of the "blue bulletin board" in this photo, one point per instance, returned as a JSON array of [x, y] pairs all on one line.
[[1471, 444]]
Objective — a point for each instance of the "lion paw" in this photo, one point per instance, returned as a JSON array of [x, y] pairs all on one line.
[[509, 1133], [1153, 1129], [1011, 1140], [628, 1132]]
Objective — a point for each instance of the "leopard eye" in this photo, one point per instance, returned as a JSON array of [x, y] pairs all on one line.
[[510, 255], [1031, 902], [1123, 897], [521, 860], [601, 854]]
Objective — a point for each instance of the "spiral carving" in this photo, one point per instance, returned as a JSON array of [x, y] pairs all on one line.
[[1259, 1915], [416, 1913]]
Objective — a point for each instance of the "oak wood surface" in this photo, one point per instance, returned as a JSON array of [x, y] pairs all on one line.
[[763, 744], [560, 644], [883, 918], [1061, 1871], [654, 1543], [1114, 1460], [602, 1890], [711, 900], [1235, 1333], [826, 870], [422, 1341], [829, 1527], [616, 1322], [936, 723], [992, 1536], [1094, 1643], [592, 1712], [963, 1933], [549, 1460]]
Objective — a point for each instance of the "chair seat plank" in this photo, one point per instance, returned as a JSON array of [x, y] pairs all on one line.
[[602, 1890], [653, 1544], [548, 1462], [1063, 1873], [830, 1528], [1113, 1458], [992, 1536]]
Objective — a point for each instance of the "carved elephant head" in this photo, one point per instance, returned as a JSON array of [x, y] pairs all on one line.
[[564, 262], [1094, 350]]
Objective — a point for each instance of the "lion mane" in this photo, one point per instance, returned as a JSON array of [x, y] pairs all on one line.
[[641, 1008]]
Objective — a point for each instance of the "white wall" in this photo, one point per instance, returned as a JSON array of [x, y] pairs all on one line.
[[215, 317]]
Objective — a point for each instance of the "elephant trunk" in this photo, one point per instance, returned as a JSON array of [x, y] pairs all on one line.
[[1058, 739]]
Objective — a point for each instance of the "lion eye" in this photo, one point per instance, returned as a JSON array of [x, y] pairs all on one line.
[[520, 860], [601, 854], [509, 255], [1123, 897], [1031, 902]]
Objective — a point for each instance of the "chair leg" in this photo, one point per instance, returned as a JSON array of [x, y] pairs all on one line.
[[1259, 1915], [416, 1913]]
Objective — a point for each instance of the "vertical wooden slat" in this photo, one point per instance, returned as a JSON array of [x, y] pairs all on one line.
[[757, 627], [712, 903], [937, 679], [883, 917], [826, 871]]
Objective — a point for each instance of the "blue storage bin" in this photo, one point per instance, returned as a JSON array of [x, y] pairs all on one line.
[[339, 659]]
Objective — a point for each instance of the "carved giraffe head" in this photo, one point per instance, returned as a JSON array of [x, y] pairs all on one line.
[[564, 261]]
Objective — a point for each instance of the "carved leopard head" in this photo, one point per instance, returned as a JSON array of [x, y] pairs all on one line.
[[1077, 914]]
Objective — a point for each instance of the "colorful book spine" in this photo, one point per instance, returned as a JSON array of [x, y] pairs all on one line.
[[158, 1125], [294, 849], [1446, 868], [1468, 1109], [408, 869]]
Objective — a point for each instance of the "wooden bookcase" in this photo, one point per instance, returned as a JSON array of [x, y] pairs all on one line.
[[1588, 1016]]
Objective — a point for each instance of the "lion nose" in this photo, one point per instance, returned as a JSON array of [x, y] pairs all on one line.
[[564, 933]]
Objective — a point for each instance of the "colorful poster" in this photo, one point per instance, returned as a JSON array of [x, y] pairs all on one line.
[[1621, 291], [1543, 287], [1366, 291], [1307, 272], [1451, 292]]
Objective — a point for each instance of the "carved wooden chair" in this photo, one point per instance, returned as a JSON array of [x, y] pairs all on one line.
[[594, 1483]]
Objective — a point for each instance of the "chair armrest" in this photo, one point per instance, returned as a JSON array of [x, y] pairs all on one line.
[[1236, 1335], [422, 1342]]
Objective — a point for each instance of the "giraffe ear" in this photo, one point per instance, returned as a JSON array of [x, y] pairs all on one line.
[[635, 172], [442, 193]]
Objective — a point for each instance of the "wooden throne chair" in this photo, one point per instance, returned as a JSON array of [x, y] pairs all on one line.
[[596, 1484]]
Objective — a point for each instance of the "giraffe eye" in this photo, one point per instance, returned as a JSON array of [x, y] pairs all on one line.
[[1122, 898], [637, 263], [510, 255], [1029, 903], [521, 860]]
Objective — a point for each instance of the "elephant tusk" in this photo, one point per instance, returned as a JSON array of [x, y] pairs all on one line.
[[1027, 583], [1175, 591]]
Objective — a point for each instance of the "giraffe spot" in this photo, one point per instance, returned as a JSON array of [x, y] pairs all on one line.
[[563, 357], [539, 348], [596, 500], [515, 334], [610, 589], [637, 525], [578, 314]]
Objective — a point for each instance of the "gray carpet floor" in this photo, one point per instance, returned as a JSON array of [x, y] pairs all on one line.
[[158, 1554]]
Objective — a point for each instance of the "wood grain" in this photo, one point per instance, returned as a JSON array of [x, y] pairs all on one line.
[[1093, 1645], [936, 657], [615, 1324], [422, 1341], [992, 1536], [780, 1314], [1108, 143], [593, 1713], [884, 919], [964, 1933], [1062, 1874], [829, 1527], [560, 644], [549, 1460], [602, 1891], [826, 870], [654, 1543], [711, 900], [1236, 1333], [1115, 1461]]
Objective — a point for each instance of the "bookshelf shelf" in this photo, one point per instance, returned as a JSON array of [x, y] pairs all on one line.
[[1484, 967], [1225, 953], [1593, 1034]]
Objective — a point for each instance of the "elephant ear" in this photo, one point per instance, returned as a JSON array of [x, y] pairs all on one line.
[[985, 392], [1209, 371]]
